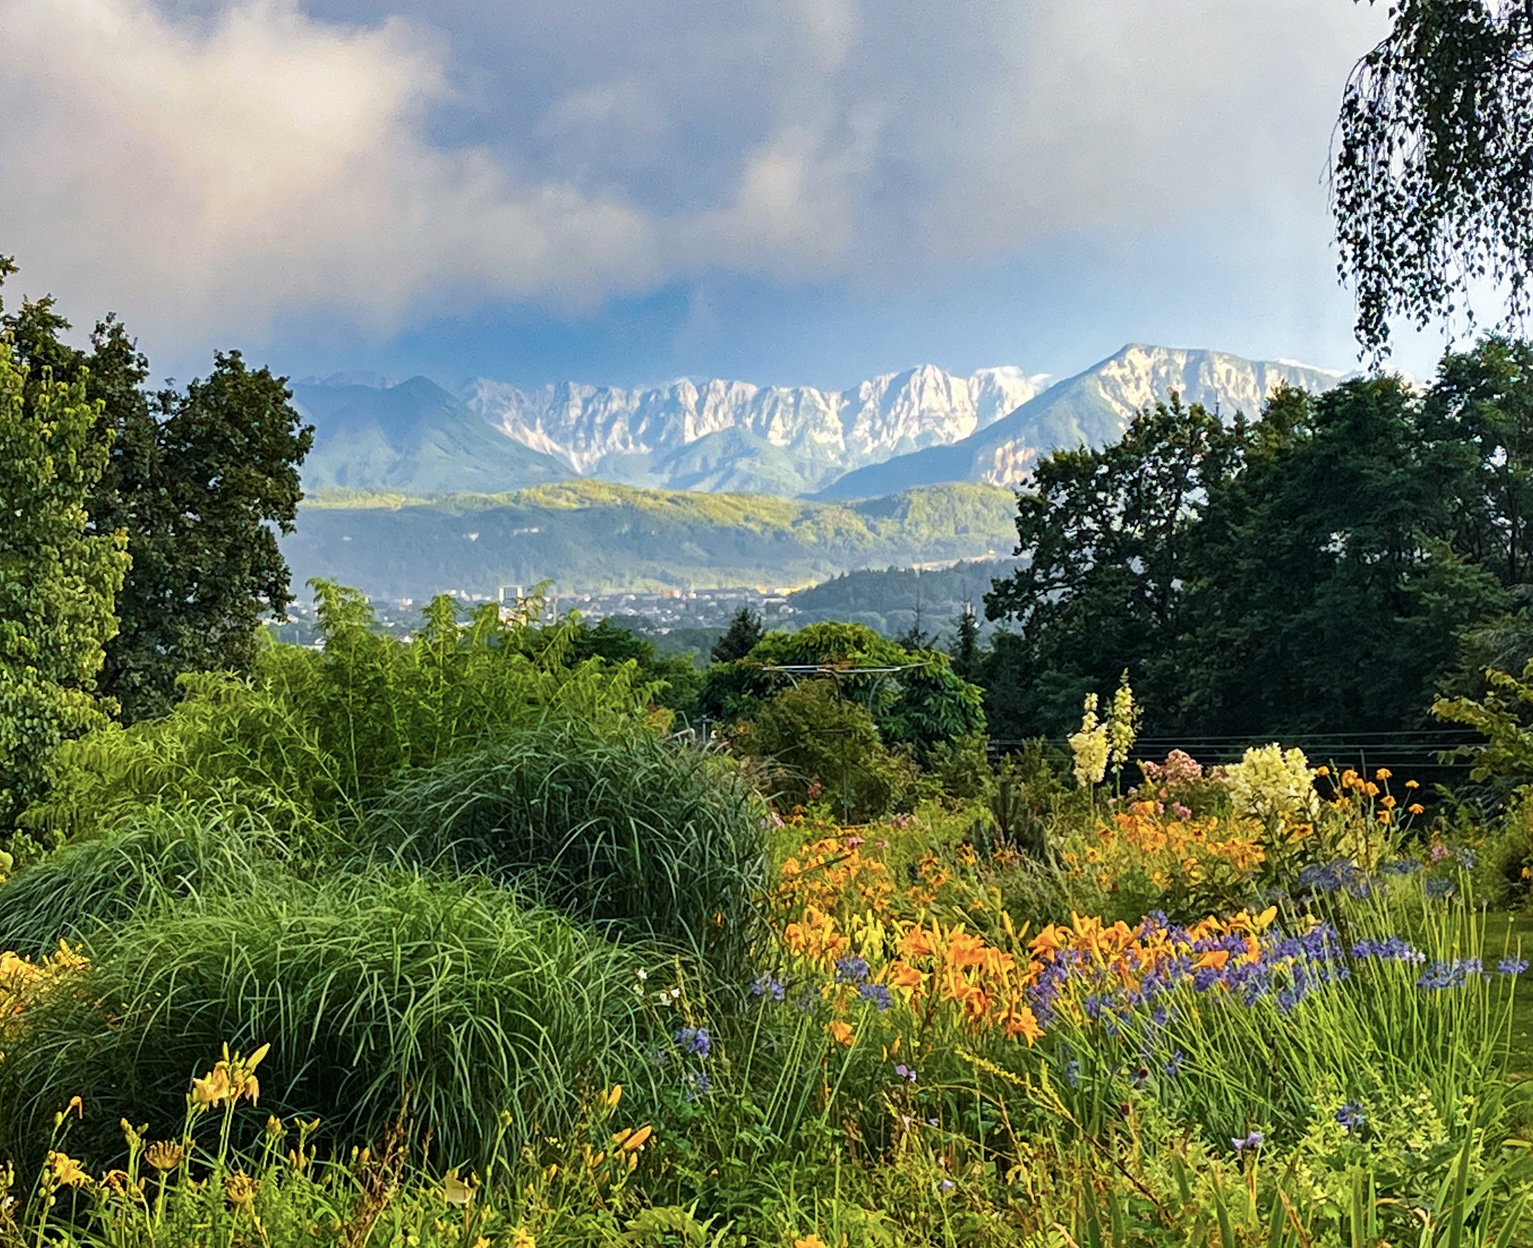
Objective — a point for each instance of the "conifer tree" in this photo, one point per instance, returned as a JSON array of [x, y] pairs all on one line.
[[739, 638], [965, 649]]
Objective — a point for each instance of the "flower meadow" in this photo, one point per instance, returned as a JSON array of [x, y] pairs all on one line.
[[455, 943]]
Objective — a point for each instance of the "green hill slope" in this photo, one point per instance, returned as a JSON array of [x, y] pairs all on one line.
[[592, 536], [414, 437]]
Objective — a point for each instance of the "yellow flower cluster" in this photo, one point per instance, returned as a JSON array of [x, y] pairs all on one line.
[[1273, 783], [954, 966], [833, 872], [231, 1080], [926, 966], [24, 982], [815, 939], [1089, 747], [1356, 788]]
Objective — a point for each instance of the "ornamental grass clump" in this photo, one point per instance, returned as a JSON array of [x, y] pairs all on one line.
[[627, 830], [146, 864], [368, 989]]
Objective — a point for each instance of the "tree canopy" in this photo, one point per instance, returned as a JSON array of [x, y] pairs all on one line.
[[1432, 177], [200, 480], [1309, 571], [57, 579]]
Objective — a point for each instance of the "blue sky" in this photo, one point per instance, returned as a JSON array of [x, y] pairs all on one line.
[[624, 191]]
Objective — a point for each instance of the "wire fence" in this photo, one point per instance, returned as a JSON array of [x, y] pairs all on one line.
[[1426, 755]]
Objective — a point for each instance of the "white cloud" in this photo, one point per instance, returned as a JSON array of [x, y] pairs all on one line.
[[206, 175]]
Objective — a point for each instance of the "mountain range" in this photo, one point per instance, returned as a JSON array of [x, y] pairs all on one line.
[[889, 433], [732, 435], [414, 488], [1092, 407]]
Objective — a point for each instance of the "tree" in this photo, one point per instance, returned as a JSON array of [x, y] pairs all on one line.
[[1484, 398], [1432, 183], [965, 649], [915, 637], [740, 638], [1106, 534], [1327, 585], [201, 480], [223, 480], [1311, 571], [57, 579]]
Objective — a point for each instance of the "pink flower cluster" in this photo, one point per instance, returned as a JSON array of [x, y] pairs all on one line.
[[1179, 768]]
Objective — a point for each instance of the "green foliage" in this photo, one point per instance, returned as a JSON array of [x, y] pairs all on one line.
[[1370, 525], [624, 829], [960, 768], [147, 865], [318, 733], [203, 527], [1503, 643], [200, 481], [825, 747], [368, 988], [57, 580], [920, 704], [676, 678], [1484, 398], [740, 638], [1502, 717], [1434, 168], [1108, 537], [965, 647], [1026, 797], [886, 599], [1342, 537]]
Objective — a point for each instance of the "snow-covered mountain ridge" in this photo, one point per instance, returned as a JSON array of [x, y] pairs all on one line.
[[639, 436], [887, 434]]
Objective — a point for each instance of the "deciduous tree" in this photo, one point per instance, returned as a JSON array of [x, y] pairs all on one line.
[[1432, 179], [1105, 534], [58, 580], [201, 480]]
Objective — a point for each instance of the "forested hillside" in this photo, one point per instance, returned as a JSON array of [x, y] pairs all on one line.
[[590, 536]]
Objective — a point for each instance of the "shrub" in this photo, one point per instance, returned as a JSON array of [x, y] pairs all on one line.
[[920, 703], [1026, 795], [366, 989], [316, 734], [147, 864], [631, 830], [960, 768], [820, 744]]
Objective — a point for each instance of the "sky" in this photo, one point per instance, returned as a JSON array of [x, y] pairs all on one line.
[[628, 191]]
